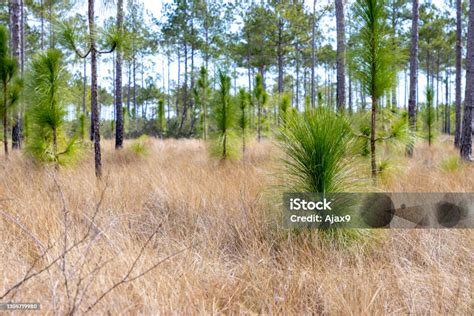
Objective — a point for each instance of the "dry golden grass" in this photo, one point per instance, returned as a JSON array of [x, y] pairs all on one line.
[[240, 260]]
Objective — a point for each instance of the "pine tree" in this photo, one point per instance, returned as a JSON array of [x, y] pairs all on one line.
[[243, 120], [161, 117], [224, 117], [466, 137], [47, 109], [413, 72], [10, 92], [429, 115], [374, 60]]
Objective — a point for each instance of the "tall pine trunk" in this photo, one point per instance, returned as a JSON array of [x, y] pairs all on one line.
[[466, 138], [373, 161], [457, 133], [313, 56], [340, 56], [16, 52], [118, 83], [413, 73], [5, 119], [94, 94], [280, 56]]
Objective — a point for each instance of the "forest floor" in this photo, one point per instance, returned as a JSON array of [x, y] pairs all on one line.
[[229, 253]]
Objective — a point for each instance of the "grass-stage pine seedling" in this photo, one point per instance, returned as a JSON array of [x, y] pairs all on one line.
[[318, 146]]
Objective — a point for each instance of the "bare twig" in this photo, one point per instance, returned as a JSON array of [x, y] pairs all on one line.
[[65, 251], [126, 278]]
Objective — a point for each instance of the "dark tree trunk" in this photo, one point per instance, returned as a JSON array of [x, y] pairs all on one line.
[[168, 101], [16, 52], [350, 93], [118, 84], [185, 89], [466, 137], [84, 89], [313, 56], [5, 119], [129, 87], [448, 111], [297, 57], [42, 23], [457, 133], [280, 56], [94, 94], [340, 57], [178, 88], [373, 162], [413, 73], [134, 90]]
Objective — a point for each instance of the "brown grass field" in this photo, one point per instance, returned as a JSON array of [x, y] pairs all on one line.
[[228, 251]]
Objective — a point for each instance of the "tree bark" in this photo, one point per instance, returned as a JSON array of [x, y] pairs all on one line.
[[16, 52], [313, 56], [373, 162], [5, 119], [280, 56], [466, 140], [84, 89], [118, 83], [413, 73], [457, 133], [94, 94], [297, 57], [340, 57]]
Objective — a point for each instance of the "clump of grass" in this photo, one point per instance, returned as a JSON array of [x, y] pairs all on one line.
[[450, 164], [140, 147]]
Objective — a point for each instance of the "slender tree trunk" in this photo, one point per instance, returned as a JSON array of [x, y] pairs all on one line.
[[405, 89], [185, 88], [84, 88], [297, 57], [259, 114], [373, 162], [42, 23], [178, 88], [413, 73], [438, 61], [280, 56], [5, 119], [51, 34], [169, 83], [313, 56], [351, 109], [16, 52], [118, 83], [340, 56], [22, 35], [129, 87], [448, 116], [466, 140], [134, 91], [94, 94], [457, 133]]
